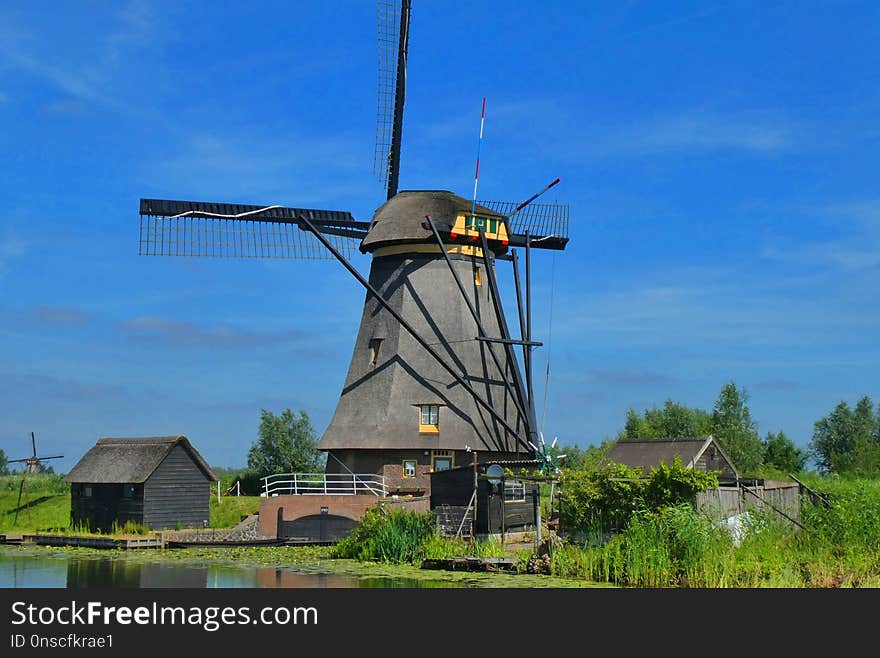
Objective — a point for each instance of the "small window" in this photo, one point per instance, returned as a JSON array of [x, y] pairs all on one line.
[[429, 418], [374, 351], [128, 491], [514, 491], [442, 460], [478, 276], [409, 468], [87, 491]]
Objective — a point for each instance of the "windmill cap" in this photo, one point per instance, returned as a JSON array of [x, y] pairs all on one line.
[[401, 219]]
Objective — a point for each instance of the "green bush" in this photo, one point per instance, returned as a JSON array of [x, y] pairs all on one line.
[[403, 537], [604, 500], [393, 536]]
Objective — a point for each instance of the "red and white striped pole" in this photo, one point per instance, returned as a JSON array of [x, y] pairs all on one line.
[[477, 172]]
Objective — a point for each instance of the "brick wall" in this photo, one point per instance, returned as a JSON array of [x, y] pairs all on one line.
[[352, 507]]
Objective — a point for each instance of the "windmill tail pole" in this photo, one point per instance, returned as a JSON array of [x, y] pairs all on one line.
[[532, 198], [479, 146], [18, 505]]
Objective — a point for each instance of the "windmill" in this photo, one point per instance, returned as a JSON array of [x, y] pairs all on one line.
[[433, 375], [33, 464]]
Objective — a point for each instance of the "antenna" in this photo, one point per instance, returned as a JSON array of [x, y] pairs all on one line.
[[393, 18], [479, 145]]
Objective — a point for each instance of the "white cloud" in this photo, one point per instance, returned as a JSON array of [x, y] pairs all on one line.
[[300, 171], [548, 125], [696, 131], [740, 312], [854, 247], [87, 68]]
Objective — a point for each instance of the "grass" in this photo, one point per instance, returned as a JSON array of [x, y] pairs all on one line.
[[48, 503], [677, 547], [48, 507], [404, 537], [231, 509]]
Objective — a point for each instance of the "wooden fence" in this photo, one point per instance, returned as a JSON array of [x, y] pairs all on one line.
[[780, 498]]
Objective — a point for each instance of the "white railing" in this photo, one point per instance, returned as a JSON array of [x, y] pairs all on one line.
[[284, 484]]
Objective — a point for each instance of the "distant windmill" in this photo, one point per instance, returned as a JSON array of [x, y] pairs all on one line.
[[32, 465]]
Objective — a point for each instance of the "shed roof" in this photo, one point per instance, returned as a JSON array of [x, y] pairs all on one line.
[[130, 460], [648, 453]]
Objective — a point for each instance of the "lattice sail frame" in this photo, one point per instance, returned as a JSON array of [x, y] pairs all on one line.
[[388, 14], [546, 223], [221, 230]]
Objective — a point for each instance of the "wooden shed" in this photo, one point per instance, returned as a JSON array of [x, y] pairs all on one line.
[[506, 509], [160, 482], [702, 454]]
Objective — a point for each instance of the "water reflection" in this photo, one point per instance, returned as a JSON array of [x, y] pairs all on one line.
[[96, 571]]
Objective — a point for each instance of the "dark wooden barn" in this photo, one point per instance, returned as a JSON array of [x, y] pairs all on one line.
[[506, 509], [702, 454], [160, 482]]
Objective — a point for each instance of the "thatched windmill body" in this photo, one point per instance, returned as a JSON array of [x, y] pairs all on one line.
[[433, 378]]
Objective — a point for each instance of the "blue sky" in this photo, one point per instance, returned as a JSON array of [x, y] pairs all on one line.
[[720, 160]]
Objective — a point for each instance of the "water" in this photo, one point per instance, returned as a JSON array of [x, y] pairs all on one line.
[[28, 570]]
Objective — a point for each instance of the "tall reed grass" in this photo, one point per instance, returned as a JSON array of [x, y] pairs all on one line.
[[405, 537], [838, 546]]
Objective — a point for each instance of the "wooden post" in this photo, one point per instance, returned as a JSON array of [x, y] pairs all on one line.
[[536, 501], [503, 510], [18, 505], [476, 495]]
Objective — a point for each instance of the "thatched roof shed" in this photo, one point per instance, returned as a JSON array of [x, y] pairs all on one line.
[[159, 482], [131, 460]]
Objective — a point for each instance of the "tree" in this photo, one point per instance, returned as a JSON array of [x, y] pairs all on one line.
[[781, 453], [866, 447], [286, 444], [4, 463], [735, 430], [730, 423], [848, 440], [579, 459], [674, 420]]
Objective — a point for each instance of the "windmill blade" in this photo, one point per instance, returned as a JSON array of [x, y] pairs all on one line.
[[34, 444], [393, 45], [13, 461], [228, 230], [42, 459], [546, 223]]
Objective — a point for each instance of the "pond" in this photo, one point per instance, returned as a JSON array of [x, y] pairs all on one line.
[[50, 569], [250, 567]]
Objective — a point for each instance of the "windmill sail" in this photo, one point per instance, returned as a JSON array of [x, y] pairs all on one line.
[[227, 230], [546, 223], [393, 45]]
